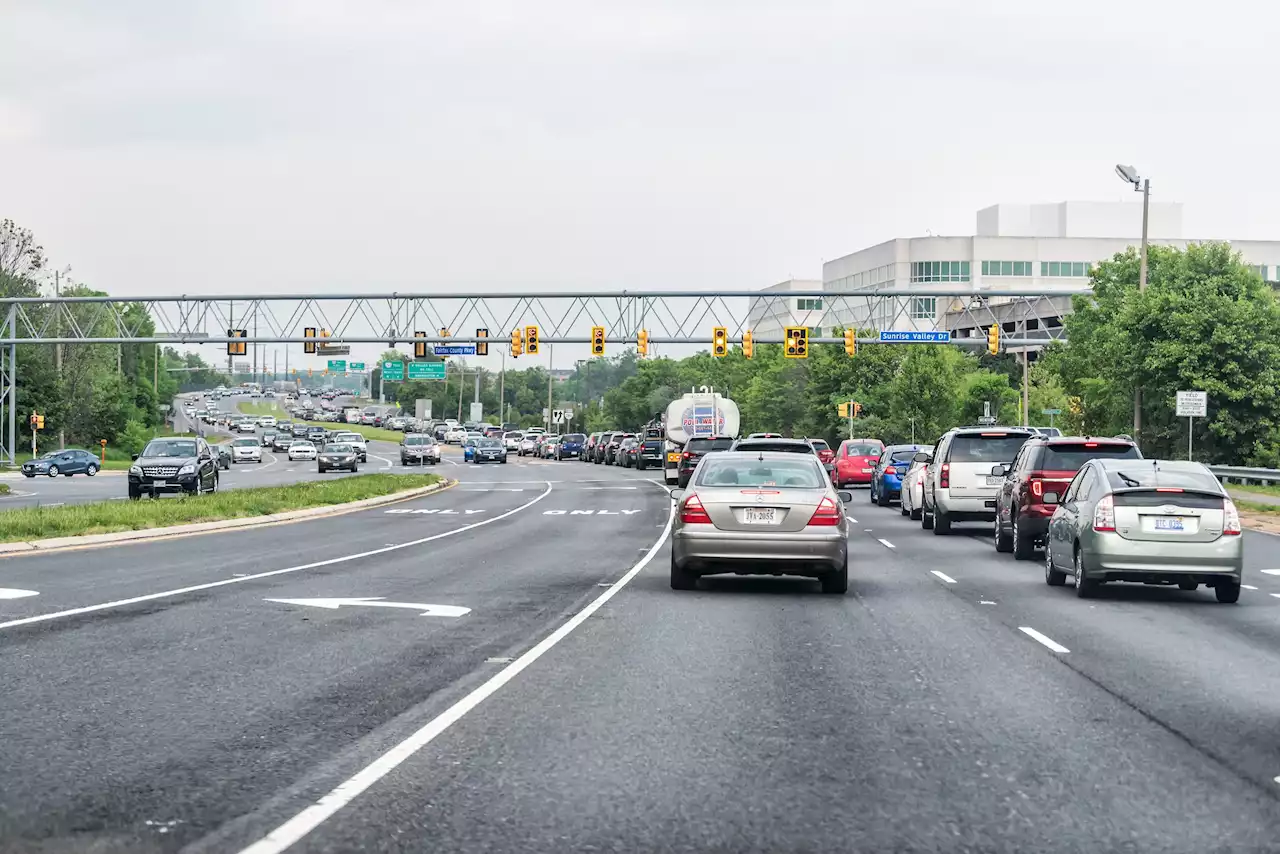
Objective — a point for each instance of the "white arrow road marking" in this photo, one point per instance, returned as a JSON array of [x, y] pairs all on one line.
[[377, 602], [16, 593]]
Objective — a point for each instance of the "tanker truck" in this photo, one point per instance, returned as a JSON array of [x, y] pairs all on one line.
[[701, 413]]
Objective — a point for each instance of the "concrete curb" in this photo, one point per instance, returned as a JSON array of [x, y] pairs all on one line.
[[219, 525]]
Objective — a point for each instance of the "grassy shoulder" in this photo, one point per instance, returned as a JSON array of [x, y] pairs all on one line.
[[369, 433], [38, 523]]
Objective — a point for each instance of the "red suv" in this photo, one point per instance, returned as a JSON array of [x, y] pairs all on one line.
[[1044, 464], [825, 454], [855, 461]]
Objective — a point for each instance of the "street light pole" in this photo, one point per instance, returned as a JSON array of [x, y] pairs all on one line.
[[1140, 185]]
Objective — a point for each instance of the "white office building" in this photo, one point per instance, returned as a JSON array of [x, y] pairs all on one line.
[[766, 318], [1015, 248]]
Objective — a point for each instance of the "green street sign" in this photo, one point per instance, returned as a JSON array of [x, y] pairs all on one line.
[[357, 366], [1050, 411], [426, 370], [338, 366], [393, 371]]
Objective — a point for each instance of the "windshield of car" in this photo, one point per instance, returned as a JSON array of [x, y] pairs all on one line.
[[245, 443], [169, 448], [488, 443], [514, 434], [702, 445], [1071, 457], [470, 442], [862, 449], [985, 447], [417, 440], [796, 474], [301, 443], [349, 437], [337, 448]]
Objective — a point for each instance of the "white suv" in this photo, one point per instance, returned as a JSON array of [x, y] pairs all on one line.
[[961, 482]]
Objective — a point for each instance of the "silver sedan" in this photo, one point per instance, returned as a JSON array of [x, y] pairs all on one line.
[[760, 513]]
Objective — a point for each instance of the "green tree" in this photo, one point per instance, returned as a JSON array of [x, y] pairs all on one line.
[[983, 390]]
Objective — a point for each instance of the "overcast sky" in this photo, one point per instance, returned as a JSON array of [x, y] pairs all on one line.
[[295, 145]]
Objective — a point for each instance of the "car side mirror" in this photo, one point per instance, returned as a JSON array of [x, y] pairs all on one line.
[[134, 456], [997, 470], [922, 457], [845, 496], [677, 494], [830, 467], [1050, 498]]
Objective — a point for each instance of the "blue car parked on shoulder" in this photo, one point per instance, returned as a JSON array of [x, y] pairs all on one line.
[[886, 480]]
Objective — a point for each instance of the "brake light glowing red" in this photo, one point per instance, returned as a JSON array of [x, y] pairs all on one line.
[[1168, 489], [686, 455], [826, 514], [1091, 444], [693, 513], [944, 476], [1037, 488]]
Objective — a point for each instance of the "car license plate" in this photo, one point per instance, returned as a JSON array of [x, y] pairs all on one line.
[[1169, 523], [760, 515], [992, 480], [867, 471], [673, 457]]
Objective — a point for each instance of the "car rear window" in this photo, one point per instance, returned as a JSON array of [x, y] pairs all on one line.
[[575, 437], [819, 445], [1148, 475], [903, 454], [702, 445], [766, 445], [1061, 456], [653, 443], [794, 474], [985, 447], [862, 449]]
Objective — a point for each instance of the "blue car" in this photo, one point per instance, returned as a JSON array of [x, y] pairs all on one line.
[[886, 480], [468, 449], [571, 446]]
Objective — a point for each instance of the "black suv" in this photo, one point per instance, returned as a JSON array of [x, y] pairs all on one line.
[[173, 464], [694, 450]]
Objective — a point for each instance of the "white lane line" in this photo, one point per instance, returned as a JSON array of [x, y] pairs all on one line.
[[274, 460], [313, 816], [16, 593], [1270, 571], [1044, 639], [854, 521], [1277, 595], [944, 576], [386, 462], [1248, 587], [120, 603], [886, 543]]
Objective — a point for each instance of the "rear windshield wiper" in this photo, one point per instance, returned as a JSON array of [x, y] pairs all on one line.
[[1129, 481]]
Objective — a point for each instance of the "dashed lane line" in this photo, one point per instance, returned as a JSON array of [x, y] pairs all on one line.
[[943, 576], [1043, 639]]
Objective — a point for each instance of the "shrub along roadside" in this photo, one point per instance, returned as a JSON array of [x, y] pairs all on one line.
[[37, 523]]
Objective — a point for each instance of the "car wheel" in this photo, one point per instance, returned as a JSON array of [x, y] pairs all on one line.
[[837, 582], [214, 490], [871, 492], [1188, 585], [941, 523], [915, 514], [1004, 542], [1086, 588], [135, 495], [1052, 577], [682, 579], [1023, 546], [53, 471], [1228, 592], [882, 498], [926, 520], [353, 468], [91, 470]]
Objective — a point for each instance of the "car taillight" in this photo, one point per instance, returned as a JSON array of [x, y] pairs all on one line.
[[692, 512], [1037, 488], [826, 514], [944, 476], [686, 455], [1104, 515], [1230, 518]]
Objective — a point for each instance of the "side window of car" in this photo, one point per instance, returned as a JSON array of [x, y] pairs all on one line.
[[1078, 485]]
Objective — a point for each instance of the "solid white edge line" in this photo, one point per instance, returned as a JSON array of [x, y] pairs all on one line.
[[943, 576], [120, 603], [1043, 639], [1270, 571], [313, 816], [1248, 587], [886, 543]]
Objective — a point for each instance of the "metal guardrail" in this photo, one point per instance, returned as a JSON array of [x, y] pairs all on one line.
[[1245, 474]]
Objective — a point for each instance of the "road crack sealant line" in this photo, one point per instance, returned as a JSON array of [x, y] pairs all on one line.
[[302, 824], [181, 591]]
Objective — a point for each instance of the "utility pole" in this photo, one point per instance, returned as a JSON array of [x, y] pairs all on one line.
[[502, 391], [1026, 413], [462, 376], [231, 322], [255, 347], [550, 362], [1142, 286], [57, 348]]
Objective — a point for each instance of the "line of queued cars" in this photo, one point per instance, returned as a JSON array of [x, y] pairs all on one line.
[[1090, 508]]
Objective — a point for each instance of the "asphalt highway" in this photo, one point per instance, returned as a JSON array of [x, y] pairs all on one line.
[[528, 681]]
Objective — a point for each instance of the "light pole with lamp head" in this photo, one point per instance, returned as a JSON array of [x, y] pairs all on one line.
[[1140, 185]]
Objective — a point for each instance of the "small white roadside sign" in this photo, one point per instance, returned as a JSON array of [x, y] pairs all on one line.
[[1193, 404]]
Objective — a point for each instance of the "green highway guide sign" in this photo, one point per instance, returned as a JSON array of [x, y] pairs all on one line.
[[426, 370], [393, 371], [338, 366], [357, 366]]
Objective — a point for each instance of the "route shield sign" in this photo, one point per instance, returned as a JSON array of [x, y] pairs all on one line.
[[393, 371], [426, 370]]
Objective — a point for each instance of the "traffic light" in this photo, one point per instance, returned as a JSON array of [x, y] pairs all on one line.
[[531, 340], [993, 339], [843, 409], [444, 332], [234, 348], [419, 347], [517, 342], [597, 340], [719, 341], [642, 342], [37, 421], [797, 342], [309, 346], [482, 348], [748, 345], [851, 342], [308, 371], [857, 410]]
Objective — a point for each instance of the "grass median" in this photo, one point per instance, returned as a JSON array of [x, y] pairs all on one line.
[[106, 517]]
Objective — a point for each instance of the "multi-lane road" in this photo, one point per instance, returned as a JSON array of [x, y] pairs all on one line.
[[502, 666]]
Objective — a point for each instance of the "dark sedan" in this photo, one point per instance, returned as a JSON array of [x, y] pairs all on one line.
[[337, 456], [489, 451], [181, 465]]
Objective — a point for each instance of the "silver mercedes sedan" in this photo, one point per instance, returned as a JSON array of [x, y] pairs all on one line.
[[760, 513]]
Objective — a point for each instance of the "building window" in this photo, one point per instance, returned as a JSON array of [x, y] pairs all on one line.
[[939, 271], [924, 308], [1261, 270], [1065, 269], [1007, 268], [808, 304]]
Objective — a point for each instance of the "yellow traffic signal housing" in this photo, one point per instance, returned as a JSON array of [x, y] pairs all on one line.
[[517, 342], [857, 410], [234, 348], [748, 345], [309, 346], [843, 409], [419, 347], [719, 341], [597, 340], [797, 342], [482, 348], [642, 342], [993, 339], [308, 371], [531, 340], [851, 342], [444, 332]]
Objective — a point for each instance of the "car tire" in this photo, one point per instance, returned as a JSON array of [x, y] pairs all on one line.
[[941, 523], [53, 471], [682, 579], [882, 498], [135, 495], [871, 492], [837, 582], [1052, 577], [91, 470], [902, 509], [1188, 585], [353, 468], [926, 520], [1228, 592], [1023, 547], [1086, 588], [1003, 541]]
